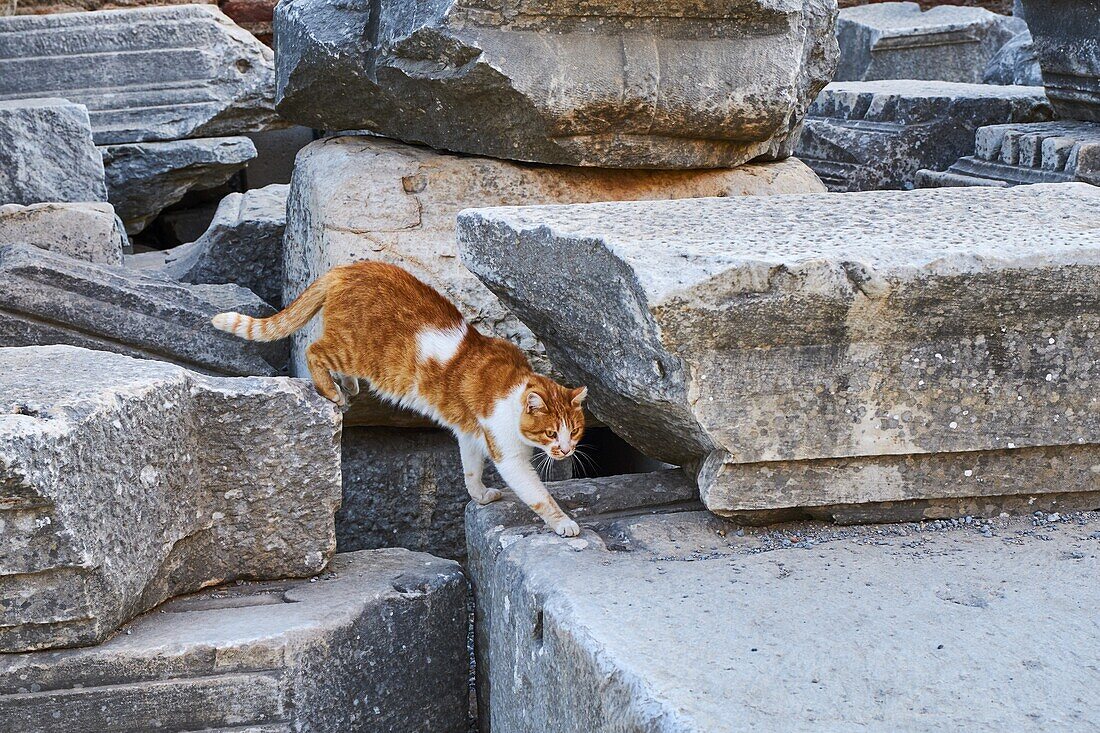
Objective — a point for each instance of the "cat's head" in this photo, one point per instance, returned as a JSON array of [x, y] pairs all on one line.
[[553, 417]]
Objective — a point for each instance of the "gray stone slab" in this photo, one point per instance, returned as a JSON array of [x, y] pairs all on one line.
[[154, 73], [1009, 155], [1014, 63], [124, 482], [900, 41], [1067, 41], [760, 339], [861, 136], [145, 178], [52, 299], [84, 231], [617, 83], [46, 153], [669, 620], [376, 643]]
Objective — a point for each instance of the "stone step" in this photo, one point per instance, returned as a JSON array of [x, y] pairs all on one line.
[[377, 642], [667, 619]]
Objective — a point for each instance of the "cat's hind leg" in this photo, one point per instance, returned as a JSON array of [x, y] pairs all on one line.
[[349, 385], [473, 465], [320, 365]]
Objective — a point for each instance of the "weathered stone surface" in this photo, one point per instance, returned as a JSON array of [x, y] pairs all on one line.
[[615, 84], [144, 73], [356, 198], [145, 178], [871, 135], [900, 41], [1067, 41], [1007, 155], [244, 245], [669, 620], [46, 152], [1014, 63], [128, 481], [378, 643], [920, 337], [48, 298], [85, 231]]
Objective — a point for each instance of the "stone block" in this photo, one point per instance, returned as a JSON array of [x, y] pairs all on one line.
[[145, 178], [1014, 63], [827, 349], [129, 481], [244, 245], [1009, 155], [46, 152], [84, 231], [154, 73], [376, 643], [900, 41], [1066, 37], [870, 135], [52, 299], [616, 83], [356, 198], [667, 619]]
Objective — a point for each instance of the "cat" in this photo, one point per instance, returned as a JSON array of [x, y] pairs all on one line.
[[414, 348]]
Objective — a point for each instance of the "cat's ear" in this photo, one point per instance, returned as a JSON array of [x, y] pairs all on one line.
[[577, 396], [534, 402]]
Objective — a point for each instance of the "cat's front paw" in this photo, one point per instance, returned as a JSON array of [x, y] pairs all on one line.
[[489, 496], [566, 527]]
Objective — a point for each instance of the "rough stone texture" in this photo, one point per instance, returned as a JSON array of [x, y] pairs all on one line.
[[1014, 63], [900, 41], [144, 73], [615, 83], [48, 298], [85, 231], [145, 178], [924, 339], [377, 643], [46, 152], [356, 198], [128, 481], [1007, 155], [669, 620], [244, 245], [1067, 41], [873, 135]]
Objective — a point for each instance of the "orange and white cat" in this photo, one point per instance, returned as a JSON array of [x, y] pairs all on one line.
[[414, 348]]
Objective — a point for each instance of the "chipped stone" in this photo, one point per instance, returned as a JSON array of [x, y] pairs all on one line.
[[84, 231]]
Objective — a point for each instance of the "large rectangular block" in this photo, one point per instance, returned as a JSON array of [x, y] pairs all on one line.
[[52, 299], [941, 342], [376, 643], [156, 73], [871, 135], [84, 231], [1066, 37], [124, 482]]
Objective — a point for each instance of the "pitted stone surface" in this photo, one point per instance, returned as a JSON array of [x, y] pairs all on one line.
[[868, 327], [871, 135], [356, 198], [124, 482], [1066, 37], [158, 73], [46, 152], [616, 83], [670, 620], [48, 298], [376, 643], [85, 231], [900, 41]]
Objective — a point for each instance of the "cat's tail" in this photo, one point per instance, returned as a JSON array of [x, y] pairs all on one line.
[[282, 324]]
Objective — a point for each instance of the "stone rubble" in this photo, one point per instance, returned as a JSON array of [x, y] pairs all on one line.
[[1015, 63], [84, 231]]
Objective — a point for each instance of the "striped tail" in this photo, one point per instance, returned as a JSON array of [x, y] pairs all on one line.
[[282, 324]]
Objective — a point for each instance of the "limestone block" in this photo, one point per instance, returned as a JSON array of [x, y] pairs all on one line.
[[376, 643], [154, 73], [760, 341], [46, 152], [356, 198], [84, 231], [128, 481], [614, 83], [1015, 63], [48, 298], [1067, 41], [900, 41], [870, 135], [666, 619]]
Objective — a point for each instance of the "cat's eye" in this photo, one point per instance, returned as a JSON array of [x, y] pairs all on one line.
[[550, 434]]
